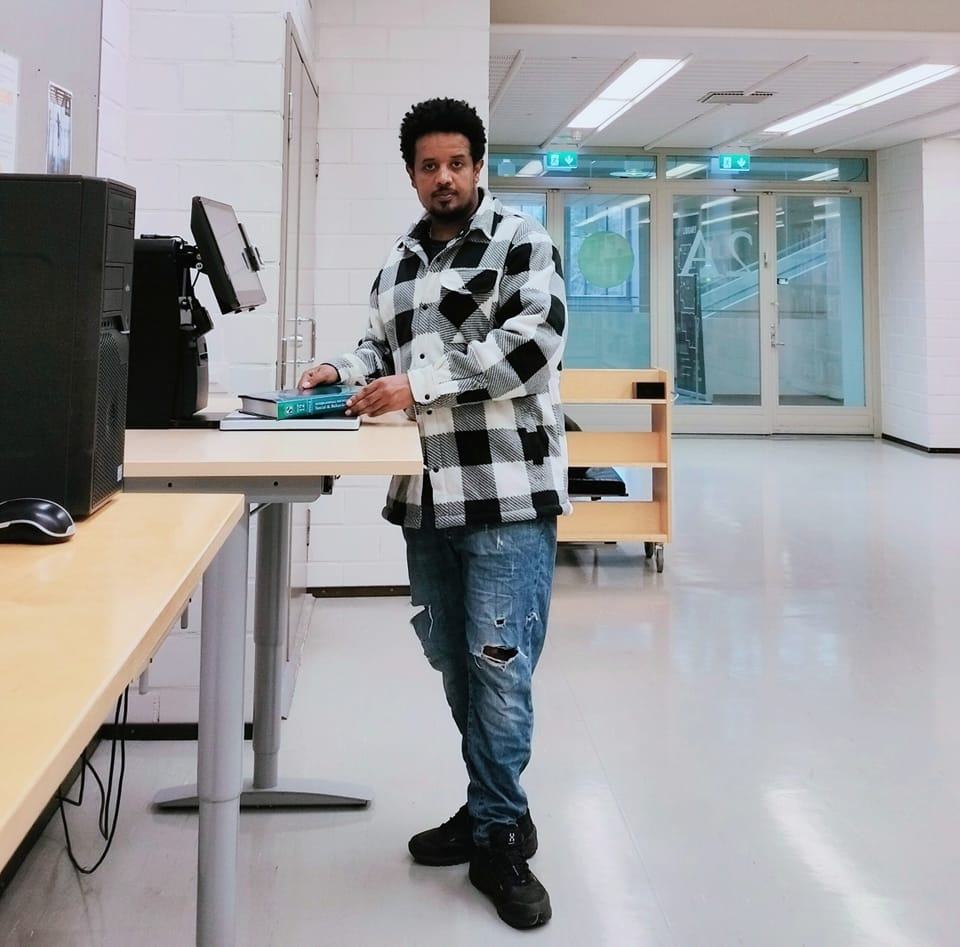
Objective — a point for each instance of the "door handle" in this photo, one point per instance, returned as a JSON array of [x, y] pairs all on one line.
[[773, 338], [297, 340], [313, 336]]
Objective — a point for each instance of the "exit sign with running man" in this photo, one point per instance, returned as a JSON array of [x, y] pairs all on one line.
[[734, 162], [561, 160]]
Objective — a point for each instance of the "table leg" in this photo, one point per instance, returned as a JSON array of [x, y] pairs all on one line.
[[270, 624], [220, 742], [266, 789]]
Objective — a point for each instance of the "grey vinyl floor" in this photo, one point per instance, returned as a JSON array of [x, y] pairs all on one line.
[[759, 747]]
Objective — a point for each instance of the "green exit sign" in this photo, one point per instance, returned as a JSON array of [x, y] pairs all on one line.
[[561, 160], [734, 162]]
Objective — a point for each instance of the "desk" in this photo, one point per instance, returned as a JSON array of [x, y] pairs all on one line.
[[79, 622], [275, 468]]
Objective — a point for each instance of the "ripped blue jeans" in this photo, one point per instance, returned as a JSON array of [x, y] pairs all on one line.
[[483, 595]]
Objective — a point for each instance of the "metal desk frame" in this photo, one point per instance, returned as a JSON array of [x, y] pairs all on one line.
[[276, 494]]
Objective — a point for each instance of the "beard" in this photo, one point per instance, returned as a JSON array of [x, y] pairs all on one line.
[[454, 213]]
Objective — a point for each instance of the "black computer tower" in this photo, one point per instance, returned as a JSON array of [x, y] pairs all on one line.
[[66, 273]]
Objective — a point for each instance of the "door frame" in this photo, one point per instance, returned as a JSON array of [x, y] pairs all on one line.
[[291, 165], [769, 417], [797, 419], [711, 419]]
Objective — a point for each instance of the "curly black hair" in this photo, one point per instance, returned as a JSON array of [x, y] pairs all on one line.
[[441, 115]]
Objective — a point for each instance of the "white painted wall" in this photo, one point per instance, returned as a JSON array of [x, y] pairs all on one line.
[[60, 43], [918, 206], [374, 59]]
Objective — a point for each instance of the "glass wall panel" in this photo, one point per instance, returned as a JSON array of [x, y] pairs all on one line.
[[536, 165], [607, 269], [533, 205], [820, 301], [717, 299], [766, 168]]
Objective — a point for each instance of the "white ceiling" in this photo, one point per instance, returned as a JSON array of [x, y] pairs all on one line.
[[560, 69]]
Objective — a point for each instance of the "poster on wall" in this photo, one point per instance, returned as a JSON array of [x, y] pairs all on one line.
[[9, 93], [59, 132]]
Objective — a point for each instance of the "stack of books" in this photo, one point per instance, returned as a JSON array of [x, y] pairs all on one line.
[[316, 409], [293, 403]]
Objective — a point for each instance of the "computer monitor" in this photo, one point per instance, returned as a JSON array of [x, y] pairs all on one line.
[[228, 258]]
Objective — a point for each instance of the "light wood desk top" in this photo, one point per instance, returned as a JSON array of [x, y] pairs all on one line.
[[79, 620], [390, 445]]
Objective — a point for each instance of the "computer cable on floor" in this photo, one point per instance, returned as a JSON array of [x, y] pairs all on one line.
[[106, 825]]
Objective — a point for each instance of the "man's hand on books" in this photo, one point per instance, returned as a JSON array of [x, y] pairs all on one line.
[[382, 396], [321, 375]]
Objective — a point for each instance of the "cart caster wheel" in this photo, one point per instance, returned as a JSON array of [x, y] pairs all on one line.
[[659, 557], [648, 549]]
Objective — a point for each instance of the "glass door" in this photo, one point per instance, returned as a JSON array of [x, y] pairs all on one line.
[[768, 312], [816, 329], [716, 245]]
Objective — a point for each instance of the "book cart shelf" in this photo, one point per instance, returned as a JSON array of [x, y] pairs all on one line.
[[615, 519]]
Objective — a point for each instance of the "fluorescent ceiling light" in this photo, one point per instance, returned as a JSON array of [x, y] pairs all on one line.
[[596, 113], [531, 169], [639, 78], [718, 202], [629, 88], [686, 169], [717, 220], [645, 199], [634, 169], [831, 174], [898, 84]]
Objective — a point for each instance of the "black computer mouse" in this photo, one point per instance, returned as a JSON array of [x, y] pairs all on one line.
[[31, 520]]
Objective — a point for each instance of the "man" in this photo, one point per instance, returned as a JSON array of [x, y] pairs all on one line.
[[466, 334]]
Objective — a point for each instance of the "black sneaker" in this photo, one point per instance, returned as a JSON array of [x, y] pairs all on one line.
[[452, 842], [501, 872]]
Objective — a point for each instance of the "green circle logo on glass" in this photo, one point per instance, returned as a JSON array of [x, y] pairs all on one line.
[[606, 259]]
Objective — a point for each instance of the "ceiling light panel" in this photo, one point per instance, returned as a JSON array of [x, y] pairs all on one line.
[[898, 120], [632, 86], [677, 103], [542, 94], [596, 113], [902, 82]]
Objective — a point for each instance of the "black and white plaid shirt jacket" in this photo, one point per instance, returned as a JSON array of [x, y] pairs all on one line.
[[480, 333]]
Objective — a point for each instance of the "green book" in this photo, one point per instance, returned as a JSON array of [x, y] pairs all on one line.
[[293, 403]]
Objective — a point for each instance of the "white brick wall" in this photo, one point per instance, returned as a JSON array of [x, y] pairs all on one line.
[[374, 59], [205, 116], [192, 103], [941, 202], [902, 300], [919, 258], [114, 83]]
